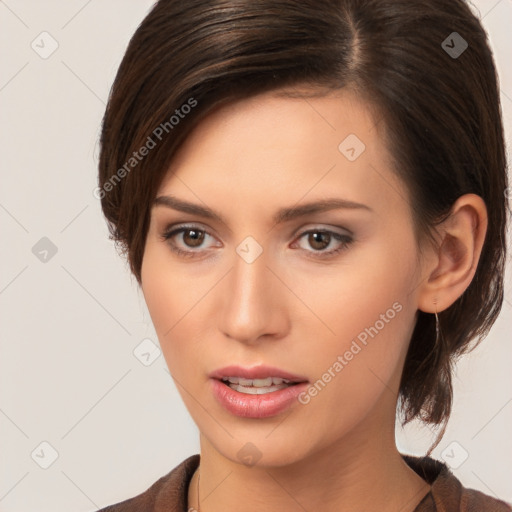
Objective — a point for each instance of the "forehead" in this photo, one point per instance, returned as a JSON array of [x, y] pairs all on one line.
[[273, 125], [274, 150]]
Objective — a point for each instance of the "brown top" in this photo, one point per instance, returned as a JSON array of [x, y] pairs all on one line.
[[170, 493]]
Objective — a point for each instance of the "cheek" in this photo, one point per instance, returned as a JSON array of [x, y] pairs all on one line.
[[375, 281], [167, 297], [368, 307], [358, 370], [175, 300]]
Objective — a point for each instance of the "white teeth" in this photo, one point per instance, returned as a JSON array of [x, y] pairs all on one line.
[[257, 383], [261, 383], [256, 386], [257, 390]]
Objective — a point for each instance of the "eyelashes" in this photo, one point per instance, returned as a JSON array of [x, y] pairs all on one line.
[[315, 236], [170, 234]]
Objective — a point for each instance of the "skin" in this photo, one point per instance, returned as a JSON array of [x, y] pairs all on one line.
[[291, 309]]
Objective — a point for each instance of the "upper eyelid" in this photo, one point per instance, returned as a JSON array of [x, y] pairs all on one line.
[[191, 225], [178, 228]]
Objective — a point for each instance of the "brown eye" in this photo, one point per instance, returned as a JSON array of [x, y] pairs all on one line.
[[186, 241], [319, 240], [196, 237], [193, 238]]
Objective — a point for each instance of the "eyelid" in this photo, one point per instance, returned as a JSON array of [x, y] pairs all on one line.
[[324, 228], [174, 229], [299, 231]]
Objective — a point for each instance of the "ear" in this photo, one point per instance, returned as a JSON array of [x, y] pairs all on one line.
[[449, 269]]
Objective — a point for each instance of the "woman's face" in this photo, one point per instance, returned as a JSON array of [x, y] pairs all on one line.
[[329, 296]]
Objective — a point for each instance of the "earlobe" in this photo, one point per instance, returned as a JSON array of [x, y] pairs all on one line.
[[453, 263]]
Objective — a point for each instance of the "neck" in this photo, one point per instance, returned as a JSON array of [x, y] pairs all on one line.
[[365, 472]]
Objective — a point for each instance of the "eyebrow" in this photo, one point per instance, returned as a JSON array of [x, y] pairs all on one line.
[[282, 215]]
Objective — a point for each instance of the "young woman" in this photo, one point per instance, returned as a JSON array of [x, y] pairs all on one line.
[[312, 197]]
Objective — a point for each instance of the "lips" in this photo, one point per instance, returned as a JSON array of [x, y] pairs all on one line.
[[257, 405], [257, 392], [256, 372]]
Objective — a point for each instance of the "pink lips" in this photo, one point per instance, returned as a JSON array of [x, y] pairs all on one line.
[[256, 406]]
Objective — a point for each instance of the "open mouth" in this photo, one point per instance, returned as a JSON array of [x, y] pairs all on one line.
[[257, 398], [257, 386]]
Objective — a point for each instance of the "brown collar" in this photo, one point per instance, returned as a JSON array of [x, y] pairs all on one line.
[[170, 492]]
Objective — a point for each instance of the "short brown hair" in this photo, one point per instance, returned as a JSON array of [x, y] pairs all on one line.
[[426, 65]]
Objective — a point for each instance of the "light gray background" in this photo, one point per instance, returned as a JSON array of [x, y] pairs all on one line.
[[70, 325]]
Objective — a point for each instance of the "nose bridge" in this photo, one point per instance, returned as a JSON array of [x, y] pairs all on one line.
[[251, 305]]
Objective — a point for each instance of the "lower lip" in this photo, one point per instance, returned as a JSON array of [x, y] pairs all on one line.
[[256, 406]]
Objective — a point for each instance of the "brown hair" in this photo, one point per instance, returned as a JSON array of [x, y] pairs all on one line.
[[440, 105]]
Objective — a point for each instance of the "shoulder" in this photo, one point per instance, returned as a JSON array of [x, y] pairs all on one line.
[[447, 493], [168, 493], [475, 501]]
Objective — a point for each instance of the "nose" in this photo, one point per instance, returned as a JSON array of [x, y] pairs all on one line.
[[253, 302]]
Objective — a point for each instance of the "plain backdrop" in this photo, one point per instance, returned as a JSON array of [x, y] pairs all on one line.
[[85, 421]]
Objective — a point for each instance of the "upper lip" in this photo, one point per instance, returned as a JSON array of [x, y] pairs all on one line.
[[255, 372]]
